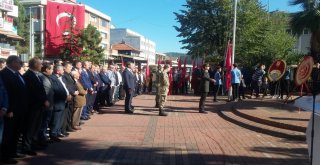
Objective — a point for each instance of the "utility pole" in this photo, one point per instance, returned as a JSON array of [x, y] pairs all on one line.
[[234, 31]]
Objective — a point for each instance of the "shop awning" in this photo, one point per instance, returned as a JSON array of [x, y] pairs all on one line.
[[10, 34]]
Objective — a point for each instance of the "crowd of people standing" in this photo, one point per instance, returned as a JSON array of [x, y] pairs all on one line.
[[49, 99]]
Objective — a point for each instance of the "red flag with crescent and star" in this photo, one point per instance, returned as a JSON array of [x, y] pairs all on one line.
[[228, 66], [62, 17]]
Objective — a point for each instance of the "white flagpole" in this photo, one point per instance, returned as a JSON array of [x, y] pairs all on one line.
[[234, 31]]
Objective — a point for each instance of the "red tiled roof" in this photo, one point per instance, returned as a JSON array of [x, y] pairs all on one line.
[[123, 46]]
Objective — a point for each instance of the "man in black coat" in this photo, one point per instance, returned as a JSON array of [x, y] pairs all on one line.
[[72, 88], [16, 89], [204, 87], [129, 84], [61, 95], [37, 101]]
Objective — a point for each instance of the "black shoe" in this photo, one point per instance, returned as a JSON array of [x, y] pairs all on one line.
[[55, 138], [30, 152], [19, 156], [61, 135], [162, 112], [66, 134], [132, 107], [129, 111], [203, 111], [9, 161]]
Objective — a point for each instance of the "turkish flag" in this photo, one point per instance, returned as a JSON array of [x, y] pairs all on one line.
[[228, 66], [60, 17]]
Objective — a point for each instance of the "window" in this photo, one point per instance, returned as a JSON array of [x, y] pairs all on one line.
[[103, 23], [305, 31], [103, 35], [93, 18]]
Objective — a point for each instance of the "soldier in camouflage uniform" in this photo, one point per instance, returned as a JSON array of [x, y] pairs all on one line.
[[164, 89], [157, 82]]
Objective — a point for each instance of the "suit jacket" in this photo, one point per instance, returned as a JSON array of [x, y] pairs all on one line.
[[3, 96], [85, 79], [60, 94], [205, 82], [47, 84], [36, 93], [16, 90], [80, 100], [70, 83], [129, 80], [105, 79]]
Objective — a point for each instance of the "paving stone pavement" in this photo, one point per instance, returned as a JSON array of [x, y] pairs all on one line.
[[184, 137]]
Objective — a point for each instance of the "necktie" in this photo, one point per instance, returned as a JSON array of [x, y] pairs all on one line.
[[20, 78]]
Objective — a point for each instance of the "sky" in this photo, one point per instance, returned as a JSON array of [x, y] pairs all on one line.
[[154, 19]]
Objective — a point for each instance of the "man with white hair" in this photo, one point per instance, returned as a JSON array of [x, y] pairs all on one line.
[[112, 78]]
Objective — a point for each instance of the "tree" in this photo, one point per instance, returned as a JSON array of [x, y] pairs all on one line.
[[21, 22], [90, 39], [308, 19], [204, 27]]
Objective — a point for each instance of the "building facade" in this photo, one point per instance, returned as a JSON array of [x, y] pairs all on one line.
[[102, 22], [146, 46], [8, 33]]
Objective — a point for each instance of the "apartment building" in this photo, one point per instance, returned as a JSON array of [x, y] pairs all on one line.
[[8, 33], [136, 40]]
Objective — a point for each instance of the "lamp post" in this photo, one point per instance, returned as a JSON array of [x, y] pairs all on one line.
[[31, 30], [234, 31]]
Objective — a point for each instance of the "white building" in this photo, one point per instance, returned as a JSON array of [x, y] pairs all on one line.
[[136, 40], [8, 33], [303, 42]]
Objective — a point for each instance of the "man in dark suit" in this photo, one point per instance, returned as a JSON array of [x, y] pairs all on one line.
[[204, 87], [106, 87], [13, 120], [37, 101], [87, 84], [60, 97], [129, 85], [72, 88]]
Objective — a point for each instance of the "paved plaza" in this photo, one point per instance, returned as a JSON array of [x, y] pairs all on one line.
[[246, 132]]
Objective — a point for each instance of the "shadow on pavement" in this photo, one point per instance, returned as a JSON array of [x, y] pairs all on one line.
[[76, 152]]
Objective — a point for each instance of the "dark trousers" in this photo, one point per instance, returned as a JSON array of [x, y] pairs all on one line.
[[215, 92], [32, 126], [285, 86], [46, 118], [67, 121], [235, 91], [150, 87], [175, 87], [202, 100], [256, 87], [57, 120], [121, 92], [11, 133], [128, 101]]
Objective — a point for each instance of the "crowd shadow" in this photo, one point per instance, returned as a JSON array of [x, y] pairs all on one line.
[[78, 152]]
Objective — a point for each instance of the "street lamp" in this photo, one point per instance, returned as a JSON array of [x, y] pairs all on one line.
[[234, 31], [31, 30]]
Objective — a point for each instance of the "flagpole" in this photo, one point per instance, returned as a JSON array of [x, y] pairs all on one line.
[[234, 31]]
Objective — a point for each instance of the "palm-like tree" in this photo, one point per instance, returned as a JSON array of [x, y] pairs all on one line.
[[309, 19]]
